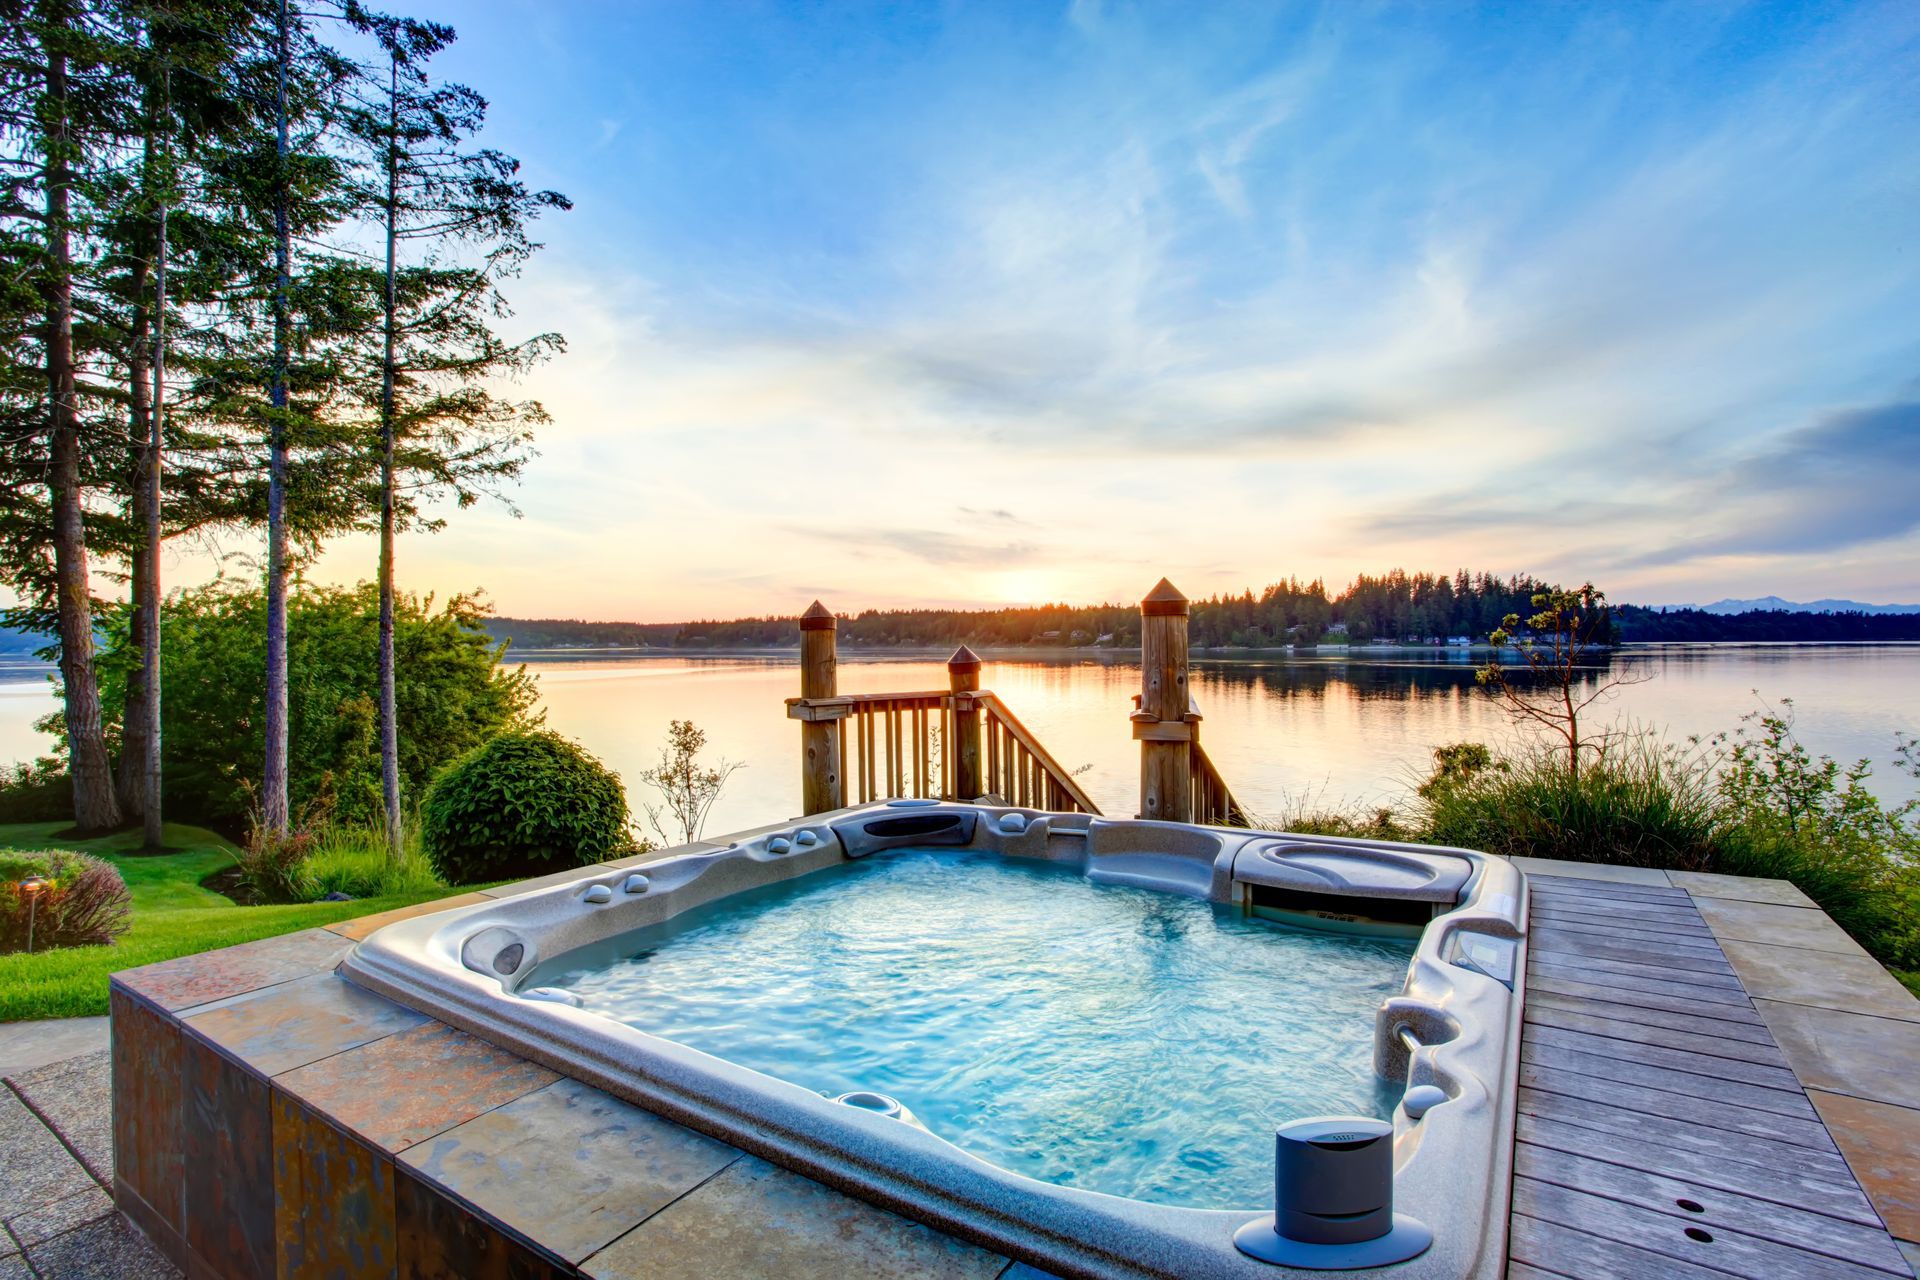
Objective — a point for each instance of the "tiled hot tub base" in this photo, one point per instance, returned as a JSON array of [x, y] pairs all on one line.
[[271, 1120]]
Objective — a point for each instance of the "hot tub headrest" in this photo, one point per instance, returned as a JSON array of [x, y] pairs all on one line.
[[1352, 870]]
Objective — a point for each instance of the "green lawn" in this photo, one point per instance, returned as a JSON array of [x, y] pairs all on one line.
[[172, 916]]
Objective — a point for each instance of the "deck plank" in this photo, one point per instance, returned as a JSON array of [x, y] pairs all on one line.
[[1650, 1054], [1760, 1053], [1685, 1084], [1584, 1256], [1657, 1130], [1600, 908], [1691, 1109], [1729, 1250], [1653, 969], [1638, 925], [1611, 889], [1562, 944], [1784, 1179], [1542, 996], [1719, 1209], [1547, 930], [1723, 1000]]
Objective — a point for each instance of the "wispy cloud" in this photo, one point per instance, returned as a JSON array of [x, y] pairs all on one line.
[[1102, 292]]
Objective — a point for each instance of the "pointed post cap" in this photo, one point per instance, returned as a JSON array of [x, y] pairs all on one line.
[[817, 618], [1164, 601], [964, 659]]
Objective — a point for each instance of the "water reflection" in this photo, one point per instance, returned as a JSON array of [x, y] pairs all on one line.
[[1356, 729]]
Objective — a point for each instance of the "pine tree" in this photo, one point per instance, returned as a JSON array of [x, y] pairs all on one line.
[[460, 217]]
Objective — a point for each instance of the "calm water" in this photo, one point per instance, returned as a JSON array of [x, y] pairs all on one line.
[[1314, 730], [1115, 1039]]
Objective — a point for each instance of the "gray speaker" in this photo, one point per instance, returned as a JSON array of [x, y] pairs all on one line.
[[1333, 1199]]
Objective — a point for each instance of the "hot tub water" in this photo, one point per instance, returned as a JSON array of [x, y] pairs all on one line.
[[1114, 1039]]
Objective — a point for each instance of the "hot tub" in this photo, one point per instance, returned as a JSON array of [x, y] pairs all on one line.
[[1067, 1038]]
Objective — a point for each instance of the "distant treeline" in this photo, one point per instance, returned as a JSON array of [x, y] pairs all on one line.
[[1395, 606], [1631, 623]]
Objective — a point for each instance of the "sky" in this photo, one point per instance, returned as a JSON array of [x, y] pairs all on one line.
[[987, 304]]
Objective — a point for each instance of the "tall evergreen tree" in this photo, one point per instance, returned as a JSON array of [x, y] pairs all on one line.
[[64, 114], [453, 221]]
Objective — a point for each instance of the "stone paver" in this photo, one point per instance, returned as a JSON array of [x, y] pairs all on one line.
[[1879, 1142], [1592, 871], [57, 1221], [302, 1021], [1851, 1053], [1705, 884], [357, 929], [38, 1169], [26, 1045], [569, 1166], [61, 1216], [74, 1097], [108, 1249], [430, 1079], [191, 981], [1738, 920], [1824, 979], [801, 1231]]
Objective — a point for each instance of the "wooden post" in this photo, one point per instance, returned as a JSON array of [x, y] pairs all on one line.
[[821, 788], [1162, 722], [963, 678]]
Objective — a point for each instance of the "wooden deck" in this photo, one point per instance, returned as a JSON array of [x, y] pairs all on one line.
[[1661, 1130]]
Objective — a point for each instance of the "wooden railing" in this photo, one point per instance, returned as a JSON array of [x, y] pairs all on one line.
[[897, 744], [959, 743], [1021, 771], [1213, 802]]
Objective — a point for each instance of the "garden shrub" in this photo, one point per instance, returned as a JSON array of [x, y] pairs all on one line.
[[521, 805], [39, 792], [86, 904]]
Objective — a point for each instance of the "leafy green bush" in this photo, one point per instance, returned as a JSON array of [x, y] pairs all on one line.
[[39, 792], [521, 805], [85, 904], [1792, 815], [451, 696]]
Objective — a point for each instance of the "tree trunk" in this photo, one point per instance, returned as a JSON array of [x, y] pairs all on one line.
[[389, 719], [130, 770], [152, 808], [273, 780], [94, 804]]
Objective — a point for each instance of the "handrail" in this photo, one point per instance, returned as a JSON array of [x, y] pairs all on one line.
[[1053, 788], [1214, 803], [902, 744]]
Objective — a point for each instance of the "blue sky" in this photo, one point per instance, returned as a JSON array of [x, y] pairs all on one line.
[[994, 303]]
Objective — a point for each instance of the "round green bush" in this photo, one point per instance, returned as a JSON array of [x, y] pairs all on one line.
[[522, 804], [82, 903]]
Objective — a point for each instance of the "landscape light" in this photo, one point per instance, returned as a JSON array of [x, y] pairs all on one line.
[[31, 886]]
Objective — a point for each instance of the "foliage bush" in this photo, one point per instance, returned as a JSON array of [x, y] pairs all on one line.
[[523, 804], [451, 696], [86, 904], [38, 792]]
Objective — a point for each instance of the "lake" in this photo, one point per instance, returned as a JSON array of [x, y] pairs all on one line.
[[1285, 732]]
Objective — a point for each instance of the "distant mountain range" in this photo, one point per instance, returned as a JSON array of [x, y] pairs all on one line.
[[1774, 604]]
